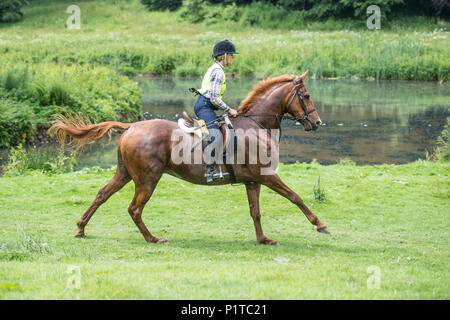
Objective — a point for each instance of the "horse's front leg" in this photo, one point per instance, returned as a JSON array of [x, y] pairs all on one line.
[[253, 201], [275, 183]]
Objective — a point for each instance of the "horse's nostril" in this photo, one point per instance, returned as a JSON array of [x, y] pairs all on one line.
[[319, 123]]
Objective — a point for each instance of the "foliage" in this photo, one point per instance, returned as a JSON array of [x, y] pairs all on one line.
[[193, 10], [24, 161], [157, 5], [24, 247], [17, 122], [296, 14], [29, 96], [10, 10], [442, 150], [348, 8], [280, 42], [319, 192]]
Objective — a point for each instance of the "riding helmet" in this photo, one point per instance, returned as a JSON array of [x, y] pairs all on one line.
[[222, 47]]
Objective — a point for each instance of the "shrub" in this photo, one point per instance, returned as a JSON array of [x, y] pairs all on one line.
[[16, 122], [23, 161], [161, 5], [442, 150], [194, 10], [29, 96], [25, 247], [10, 10], [164, 65], [319, 192]]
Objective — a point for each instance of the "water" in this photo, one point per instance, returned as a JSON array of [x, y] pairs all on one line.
[[368, 122]]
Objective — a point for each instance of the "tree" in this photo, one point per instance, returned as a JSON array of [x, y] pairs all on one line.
[[160, 5], [10, 10]]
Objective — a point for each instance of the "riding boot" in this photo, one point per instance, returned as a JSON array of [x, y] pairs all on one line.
[[211, 173]]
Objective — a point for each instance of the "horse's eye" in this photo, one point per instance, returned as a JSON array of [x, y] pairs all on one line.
[[307, 96]]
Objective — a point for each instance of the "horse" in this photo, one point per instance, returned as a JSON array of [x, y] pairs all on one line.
[[145, 148]]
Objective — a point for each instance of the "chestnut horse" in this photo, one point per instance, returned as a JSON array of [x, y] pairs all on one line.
[[144, 152]]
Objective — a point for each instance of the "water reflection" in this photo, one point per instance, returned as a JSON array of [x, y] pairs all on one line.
[[368, 122]]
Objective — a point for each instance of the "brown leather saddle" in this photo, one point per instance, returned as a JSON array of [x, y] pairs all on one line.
[[226, 132]]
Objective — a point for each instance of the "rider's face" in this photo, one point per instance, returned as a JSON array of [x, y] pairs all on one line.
[[230, 58]]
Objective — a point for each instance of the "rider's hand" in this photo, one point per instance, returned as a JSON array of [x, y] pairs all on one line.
[[232, 111]]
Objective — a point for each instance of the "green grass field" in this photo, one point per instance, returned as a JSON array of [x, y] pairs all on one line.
[[393, 217], [124, 36]]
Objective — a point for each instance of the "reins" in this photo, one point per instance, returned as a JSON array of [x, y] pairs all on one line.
[[279, 117]]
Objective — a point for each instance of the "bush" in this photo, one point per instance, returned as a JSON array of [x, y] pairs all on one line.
[[164, 65], [161, 5], [17, 123], [10, 10], [319, 192], [442, 150], [194, 11], [22, 161], [270, 13], [29, 96]]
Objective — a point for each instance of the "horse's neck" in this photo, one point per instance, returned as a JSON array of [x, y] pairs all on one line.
[[265, 119], [268, 113]]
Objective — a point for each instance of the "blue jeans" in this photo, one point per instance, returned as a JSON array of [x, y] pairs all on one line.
[[205, 110]]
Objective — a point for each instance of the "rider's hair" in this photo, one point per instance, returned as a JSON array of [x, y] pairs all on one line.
[[222, 57]]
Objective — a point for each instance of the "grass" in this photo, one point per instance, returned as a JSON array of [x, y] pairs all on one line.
[[376, 219], [127, 38]]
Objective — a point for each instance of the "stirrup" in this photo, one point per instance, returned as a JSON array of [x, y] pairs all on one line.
[[214, 175]]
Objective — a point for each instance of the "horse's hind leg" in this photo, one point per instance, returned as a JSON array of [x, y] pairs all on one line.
[[120, 179], [275, 183], [144, 190]]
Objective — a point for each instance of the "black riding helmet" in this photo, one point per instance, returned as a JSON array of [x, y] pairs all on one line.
[[222, 47]]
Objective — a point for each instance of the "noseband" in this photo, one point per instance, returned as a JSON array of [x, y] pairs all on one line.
[[297, 92]]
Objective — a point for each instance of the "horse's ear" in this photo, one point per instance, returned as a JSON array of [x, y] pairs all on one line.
[[303, 76]]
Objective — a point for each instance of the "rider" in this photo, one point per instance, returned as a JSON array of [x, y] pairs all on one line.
[[213, 87]]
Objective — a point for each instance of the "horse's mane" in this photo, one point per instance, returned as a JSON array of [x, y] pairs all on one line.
[[260, 89]]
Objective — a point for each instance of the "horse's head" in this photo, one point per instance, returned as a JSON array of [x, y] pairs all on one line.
[[300, 105]]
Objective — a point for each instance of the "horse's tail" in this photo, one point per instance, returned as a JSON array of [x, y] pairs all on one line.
[[81, 130]]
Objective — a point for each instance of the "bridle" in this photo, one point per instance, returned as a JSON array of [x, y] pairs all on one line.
[[297, 92], [303, 117]]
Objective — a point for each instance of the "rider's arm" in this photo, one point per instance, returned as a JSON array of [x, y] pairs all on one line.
[[214, 95]]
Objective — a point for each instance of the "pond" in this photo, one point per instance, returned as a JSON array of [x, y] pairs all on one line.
[[369, 122]]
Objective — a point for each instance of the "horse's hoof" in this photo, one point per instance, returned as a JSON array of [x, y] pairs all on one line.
[[80, 235], [162, 240], [323, 230], [270, 241]]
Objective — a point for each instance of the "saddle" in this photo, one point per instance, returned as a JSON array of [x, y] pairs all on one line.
[[197, 127]]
